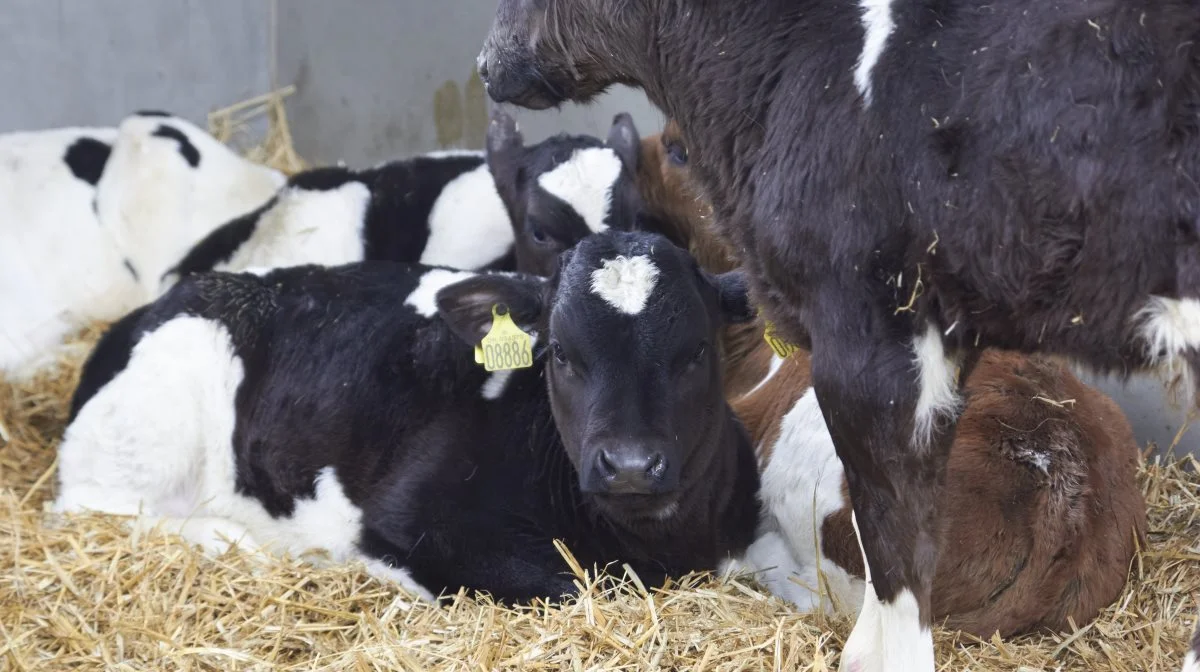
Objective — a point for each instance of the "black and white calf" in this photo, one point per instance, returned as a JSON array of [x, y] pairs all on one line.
[[53, 255], [342, 408], [909, 182], [511, 207], [89, 215]]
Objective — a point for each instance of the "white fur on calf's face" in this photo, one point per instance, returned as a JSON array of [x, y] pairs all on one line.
[[625, 283], [585, 182]]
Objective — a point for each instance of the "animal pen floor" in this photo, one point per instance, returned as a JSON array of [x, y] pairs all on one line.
[[80, 593]]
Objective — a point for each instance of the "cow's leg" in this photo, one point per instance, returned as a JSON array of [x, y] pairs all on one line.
[[890, 403]]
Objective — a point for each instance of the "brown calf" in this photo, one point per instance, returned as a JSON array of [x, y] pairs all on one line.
[[1043, 513]]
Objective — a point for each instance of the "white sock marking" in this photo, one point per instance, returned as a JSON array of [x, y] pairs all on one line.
[[625, 283], [887, 637], [585, 182]]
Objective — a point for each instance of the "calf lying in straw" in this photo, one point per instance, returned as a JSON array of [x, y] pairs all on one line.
[[513, 207], [91, 217], [1043, 510], [342, 408]]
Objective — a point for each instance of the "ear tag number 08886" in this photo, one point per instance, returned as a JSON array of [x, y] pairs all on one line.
[[505, 347]]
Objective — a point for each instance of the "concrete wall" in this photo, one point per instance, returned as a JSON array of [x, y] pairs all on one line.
[[376, 79], [395, 77], [88, 62]]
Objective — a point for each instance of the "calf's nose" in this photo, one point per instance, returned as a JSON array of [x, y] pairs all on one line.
[[482, 65], [631, 470]]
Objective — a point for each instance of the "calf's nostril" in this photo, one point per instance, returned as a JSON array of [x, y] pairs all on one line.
[[657, 468], [481, 64], [607, 468]]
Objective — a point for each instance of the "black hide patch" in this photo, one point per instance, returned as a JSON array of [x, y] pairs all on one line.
[[186, 148], [86, 158], [324, 179], [220, 245], [152, 113]]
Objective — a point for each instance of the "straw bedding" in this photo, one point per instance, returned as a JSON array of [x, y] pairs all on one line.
[[81, 593]]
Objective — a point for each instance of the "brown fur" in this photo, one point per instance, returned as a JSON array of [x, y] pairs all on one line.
[[1022, 548]]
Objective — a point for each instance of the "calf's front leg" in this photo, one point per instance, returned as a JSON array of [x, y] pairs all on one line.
[[890, 406]]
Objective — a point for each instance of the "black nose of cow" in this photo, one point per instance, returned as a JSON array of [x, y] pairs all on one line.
[[631, 470]]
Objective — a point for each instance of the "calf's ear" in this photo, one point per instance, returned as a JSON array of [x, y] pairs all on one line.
[[734, 292], [503, 154], [623, 139], [466, 306]]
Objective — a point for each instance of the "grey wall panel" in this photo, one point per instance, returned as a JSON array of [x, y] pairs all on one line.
[[91, 62], [378, 79]]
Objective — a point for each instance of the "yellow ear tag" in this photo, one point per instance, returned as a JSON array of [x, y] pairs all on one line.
[[505, 347], [778, 345]]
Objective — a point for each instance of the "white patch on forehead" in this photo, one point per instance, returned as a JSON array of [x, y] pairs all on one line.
[[424, 297], [625, 283], [585, 182]]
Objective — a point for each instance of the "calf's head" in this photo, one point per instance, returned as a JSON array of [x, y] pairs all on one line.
[[540, 53], [167, 184], [625, 330], [563, 188], [674, 204]]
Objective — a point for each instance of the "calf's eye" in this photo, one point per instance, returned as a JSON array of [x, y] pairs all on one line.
[[677, 153], [557, 351], [698, 355]]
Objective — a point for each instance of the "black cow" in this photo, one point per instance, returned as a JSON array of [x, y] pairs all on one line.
[[909, 182]]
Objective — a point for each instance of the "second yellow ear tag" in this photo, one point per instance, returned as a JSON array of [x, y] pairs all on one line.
[[505, 347], [778, 345]]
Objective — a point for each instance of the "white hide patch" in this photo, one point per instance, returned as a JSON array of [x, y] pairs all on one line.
[[468, 225], [59, 269], [453, 153], [889, 637], [625, 283], [585, 182], [156, 442], [424, 297], [323, 227], [1169, 328], [801, 486], [877, 27], [939, 390], [494, 386], [156, 438], [1191, 663], [384, 572], [156, 205]]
